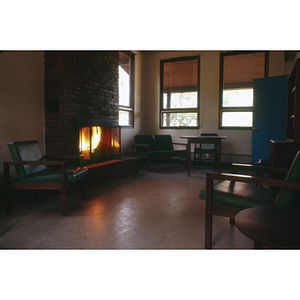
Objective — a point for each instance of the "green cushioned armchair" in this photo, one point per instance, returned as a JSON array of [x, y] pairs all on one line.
[[157, 147], [36, 173], [231, 193]]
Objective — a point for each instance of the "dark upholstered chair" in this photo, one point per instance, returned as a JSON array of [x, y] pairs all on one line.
[[36, 173], [156, 147], [202, 150], [233, 193]]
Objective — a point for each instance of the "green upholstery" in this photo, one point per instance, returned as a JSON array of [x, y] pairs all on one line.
[[156, 146], [159, 146], [240, 194], [54, 175], [144, 140], [163, 143], [31, 151], [27, 150], [244, 195]]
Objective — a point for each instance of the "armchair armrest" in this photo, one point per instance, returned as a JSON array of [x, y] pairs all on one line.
[[258, 169], [34, 162], [181, 144], [7, 164], [249, 179]]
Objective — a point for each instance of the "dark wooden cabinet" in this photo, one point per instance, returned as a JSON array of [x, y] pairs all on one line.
[[282, 153], [293, 104]]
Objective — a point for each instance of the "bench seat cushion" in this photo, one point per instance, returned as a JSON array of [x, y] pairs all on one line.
[[241, 195], [54, 175]]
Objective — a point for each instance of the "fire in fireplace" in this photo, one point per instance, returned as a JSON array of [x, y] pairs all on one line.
[[98, 140]]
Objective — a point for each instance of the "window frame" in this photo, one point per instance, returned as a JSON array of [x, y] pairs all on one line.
[[129, 108], [179, 110], [236, 86]]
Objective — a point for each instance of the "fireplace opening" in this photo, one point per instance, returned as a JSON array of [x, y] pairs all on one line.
[[98, 142]]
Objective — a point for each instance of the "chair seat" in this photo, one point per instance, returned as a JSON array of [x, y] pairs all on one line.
[[166, 153], [54, 175], [203, 150], [241, 195]]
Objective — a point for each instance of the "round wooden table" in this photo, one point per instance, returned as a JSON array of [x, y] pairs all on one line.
[[272, 227]]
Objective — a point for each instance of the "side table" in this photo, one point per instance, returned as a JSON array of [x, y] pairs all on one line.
[[272, 227]]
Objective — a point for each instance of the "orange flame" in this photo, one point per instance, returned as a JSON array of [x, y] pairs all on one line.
[[96, 137], [85, 140]]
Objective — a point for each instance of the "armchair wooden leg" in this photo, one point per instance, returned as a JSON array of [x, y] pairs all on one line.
[[64, 201], [82, 189], [208, 231], [7, 201], [148, 164], [7, 191], [208, 214], [232, 221]]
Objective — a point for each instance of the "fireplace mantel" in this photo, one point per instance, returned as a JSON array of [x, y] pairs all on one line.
[[96, 122]]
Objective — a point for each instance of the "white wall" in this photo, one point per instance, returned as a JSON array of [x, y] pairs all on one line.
[[21, 99], [238, 145]]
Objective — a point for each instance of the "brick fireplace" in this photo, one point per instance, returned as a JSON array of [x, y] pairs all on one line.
[[80, 88], [78, 85]]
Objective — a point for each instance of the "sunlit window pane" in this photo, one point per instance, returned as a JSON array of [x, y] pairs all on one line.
[[181, 100], [237, 119], [165, 100], [179, 119], [126, 70], [124, 118], [238, 98], [124, 87]]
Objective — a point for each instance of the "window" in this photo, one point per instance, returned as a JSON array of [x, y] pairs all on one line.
[[179, 92], [126, 71], [236, 87]]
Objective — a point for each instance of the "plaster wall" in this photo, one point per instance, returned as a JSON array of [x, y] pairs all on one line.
[[21, 99]]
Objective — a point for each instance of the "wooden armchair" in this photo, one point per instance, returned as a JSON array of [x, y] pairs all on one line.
[[36, 173], [232, 193], [156, 147]]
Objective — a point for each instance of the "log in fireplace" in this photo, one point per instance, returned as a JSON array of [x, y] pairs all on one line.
[[98, 140]]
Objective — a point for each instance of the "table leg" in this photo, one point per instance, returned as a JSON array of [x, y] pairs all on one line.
[[215, 156], [219, 155]]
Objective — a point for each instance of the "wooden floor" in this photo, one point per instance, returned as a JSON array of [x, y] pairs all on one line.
[[148, 210]]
